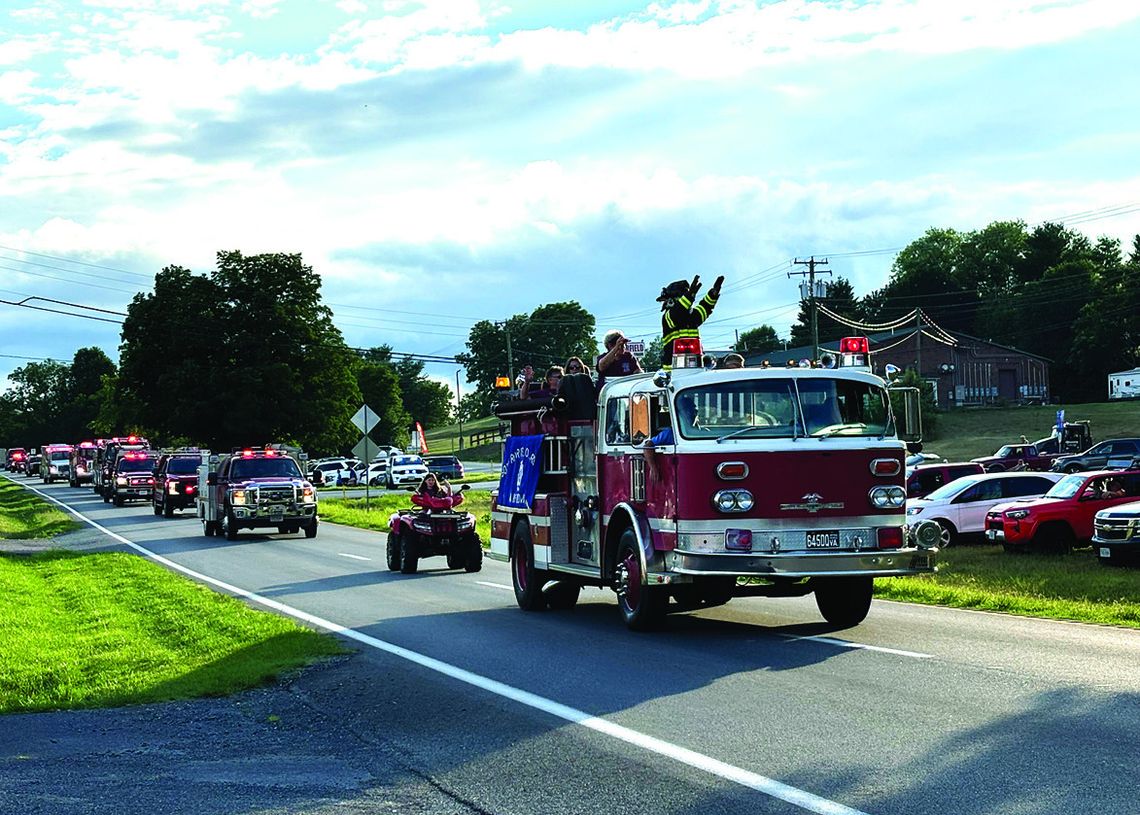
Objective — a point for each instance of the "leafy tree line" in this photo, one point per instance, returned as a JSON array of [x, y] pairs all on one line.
[[1048, 290], [247, 354]]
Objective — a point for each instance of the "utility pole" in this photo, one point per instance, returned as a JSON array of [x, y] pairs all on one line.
[[918, 340], [813, 307], [458, 411], [510, 357]]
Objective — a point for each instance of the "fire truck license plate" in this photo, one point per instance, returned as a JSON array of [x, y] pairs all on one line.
[[823, 540]]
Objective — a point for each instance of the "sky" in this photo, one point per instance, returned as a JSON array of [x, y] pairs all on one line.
[[444, 162]]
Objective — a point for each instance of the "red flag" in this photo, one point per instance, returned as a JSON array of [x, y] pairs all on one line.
[[423, 439]]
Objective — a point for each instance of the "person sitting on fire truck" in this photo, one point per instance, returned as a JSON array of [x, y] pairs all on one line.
[[682, 315], [731, 361], [616, 361], [553, 382], [665, 436]]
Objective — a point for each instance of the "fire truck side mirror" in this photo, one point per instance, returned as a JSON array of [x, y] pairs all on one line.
[[909, 418], [661, 379]]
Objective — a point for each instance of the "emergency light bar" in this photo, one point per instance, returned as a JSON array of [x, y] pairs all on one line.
[[855, 352], [687, 353]]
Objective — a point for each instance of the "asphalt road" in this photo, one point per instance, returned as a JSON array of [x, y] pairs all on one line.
[[755, 707]]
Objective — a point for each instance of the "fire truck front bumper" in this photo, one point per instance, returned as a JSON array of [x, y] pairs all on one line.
[[270, 514], [860, 563]]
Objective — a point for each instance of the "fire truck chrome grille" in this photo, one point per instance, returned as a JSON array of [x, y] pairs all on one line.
[[274, 495], [776, 540]]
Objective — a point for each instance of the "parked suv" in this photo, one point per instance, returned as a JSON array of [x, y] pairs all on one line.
[[405, 471], [926, 478], [1116, 535], [1100, 456], [1063, 517], [447, 466], [176, 482], [960, 507]]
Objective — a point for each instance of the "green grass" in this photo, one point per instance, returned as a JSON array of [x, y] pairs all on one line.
[[352, 512], [967, 433], [1067, 587], [100, 630], [445, 440], [26, 516]]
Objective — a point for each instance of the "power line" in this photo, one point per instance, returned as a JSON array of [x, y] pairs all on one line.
[[77, 262]]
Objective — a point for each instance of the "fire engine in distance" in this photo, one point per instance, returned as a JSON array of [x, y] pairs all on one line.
[[767, 482]]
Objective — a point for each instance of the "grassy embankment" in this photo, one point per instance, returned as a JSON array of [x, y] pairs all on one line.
[[92, 630], [26, 516], [445, 441], [352, 511]]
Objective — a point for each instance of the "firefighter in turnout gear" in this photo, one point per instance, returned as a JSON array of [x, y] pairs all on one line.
[[682, 316]]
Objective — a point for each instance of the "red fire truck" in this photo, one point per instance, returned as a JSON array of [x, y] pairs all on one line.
[[768, 482]]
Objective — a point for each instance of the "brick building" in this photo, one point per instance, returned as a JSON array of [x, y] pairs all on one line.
[[964, 370]]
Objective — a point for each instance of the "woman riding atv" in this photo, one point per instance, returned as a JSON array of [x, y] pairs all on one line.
[[436, 493]]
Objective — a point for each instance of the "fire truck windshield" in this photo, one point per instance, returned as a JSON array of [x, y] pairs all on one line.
[[783, 407], [132, 464], [277, 467], [183, 465]]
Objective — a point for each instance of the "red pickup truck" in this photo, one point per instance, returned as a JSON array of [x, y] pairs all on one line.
[[1062, 517], [1016, 457]]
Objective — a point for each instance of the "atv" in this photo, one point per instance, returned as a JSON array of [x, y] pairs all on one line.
[[434, 528]]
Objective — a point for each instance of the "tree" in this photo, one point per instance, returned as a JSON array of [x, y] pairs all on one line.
[[425, 400], [651, 359], [247, 355], [759, 340], [380, 390], [82, 393], [549, 335]]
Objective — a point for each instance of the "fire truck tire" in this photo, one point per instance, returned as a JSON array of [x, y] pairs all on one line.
[[157, 509], [167, 509], [843, 601], [528, 581], [563, 595], [229, 526], [311, 529], [642, 607], [474, 560], [393, 552], [106, 497], [409, 559], [208, 528]]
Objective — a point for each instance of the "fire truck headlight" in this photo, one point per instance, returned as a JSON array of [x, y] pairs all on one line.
[[122, 482], [237, 498], [733, 500], [307, 495], [53, 469], [887, 497]]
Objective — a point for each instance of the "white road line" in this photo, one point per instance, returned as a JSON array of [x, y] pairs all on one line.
[[354, 557], [495, 585], [861, 646], [768, 786]]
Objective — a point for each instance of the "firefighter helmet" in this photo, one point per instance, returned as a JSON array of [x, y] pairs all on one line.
[[674, 290]]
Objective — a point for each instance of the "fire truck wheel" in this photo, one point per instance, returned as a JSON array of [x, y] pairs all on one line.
[[393, 552], [528, 581], [843, 601], [118, 500], [474, 560], [311, 529], [229, 526], [563, 595], [208, 528], [409, 558], [157, 509], [642, 607], [167, 509], [106, 497]]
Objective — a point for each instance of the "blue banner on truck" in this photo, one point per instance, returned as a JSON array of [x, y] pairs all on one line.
[[521, 466]]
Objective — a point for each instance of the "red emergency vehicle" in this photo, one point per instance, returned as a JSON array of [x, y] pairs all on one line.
[[789, 477], [82, 463]]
